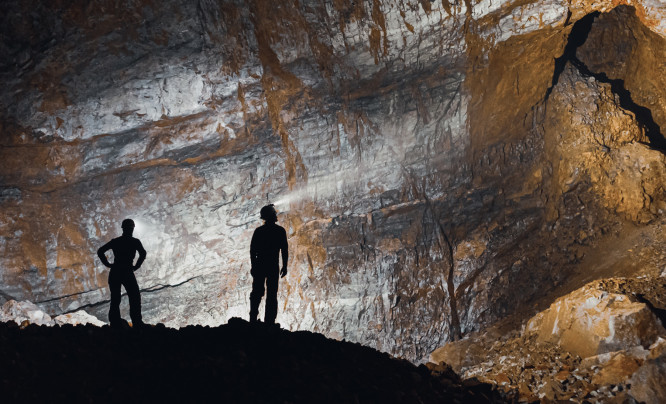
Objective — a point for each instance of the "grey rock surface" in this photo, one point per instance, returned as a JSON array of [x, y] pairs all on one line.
[[415, 205]]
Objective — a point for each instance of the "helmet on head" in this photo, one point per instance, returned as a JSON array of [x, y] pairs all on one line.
[[268, 213], [127, 224]]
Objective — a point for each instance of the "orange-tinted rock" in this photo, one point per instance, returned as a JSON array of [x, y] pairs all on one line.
[[416, 164], [647, 384], [617, 369], [590, 321]]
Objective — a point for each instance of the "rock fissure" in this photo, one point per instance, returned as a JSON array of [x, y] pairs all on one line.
[[577, 37], [66, 296], [155, 288], [643, 115], [6, 295], [450, 286], [98, 303]]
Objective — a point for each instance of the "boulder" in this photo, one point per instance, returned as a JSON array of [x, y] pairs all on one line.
[[20, 312], [458, 354], [78, 317], [590, 321], [648, 383]]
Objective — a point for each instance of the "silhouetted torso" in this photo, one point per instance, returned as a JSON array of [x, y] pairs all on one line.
[[124, 250], [266, 244]]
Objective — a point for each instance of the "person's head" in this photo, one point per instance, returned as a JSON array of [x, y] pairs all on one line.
[[128, 226], [268, 213]]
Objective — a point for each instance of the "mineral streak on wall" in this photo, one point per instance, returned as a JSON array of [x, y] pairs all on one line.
[[393, 136]]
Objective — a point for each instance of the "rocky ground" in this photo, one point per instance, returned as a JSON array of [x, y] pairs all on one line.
[[236, 362], [601, 343]]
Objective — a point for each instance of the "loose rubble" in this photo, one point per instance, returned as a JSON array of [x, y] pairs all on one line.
[[25, 313], [542, 369], [78, 317]]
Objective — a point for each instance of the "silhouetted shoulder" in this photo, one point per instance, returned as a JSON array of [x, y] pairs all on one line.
[[138, 245]]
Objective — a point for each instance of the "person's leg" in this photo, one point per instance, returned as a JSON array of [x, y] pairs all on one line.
[[272, 279], [114, 310], [132, 288], [256, 295]]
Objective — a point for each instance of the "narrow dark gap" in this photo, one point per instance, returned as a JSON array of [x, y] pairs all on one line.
[[577, 37], [124, 294], [643, 114], [658, 312]]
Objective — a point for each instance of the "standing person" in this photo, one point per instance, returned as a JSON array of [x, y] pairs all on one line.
[[267, 242], [124, 249]]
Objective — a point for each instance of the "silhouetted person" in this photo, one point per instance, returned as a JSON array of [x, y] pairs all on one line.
[[267, 242], [124, 249]]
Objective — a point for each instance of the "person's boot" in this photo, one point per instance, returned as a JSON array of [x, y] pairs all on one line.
[[119, 324], [254, 311]]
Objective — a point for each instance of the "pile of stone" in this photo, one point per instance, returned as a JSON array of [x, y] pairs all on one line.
[[25, 313], [593, 345]]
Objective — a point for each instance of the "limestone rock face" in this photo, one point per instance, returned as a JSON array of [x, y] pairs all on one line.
[[428, 159], [591, 321], [20, 312]]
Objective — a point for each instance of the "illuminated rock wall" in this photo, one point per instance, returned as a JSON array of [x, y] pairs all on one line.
[[408, 147]]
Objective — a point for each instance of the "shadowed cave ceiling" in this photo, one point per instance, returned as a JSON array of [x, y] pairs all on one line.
[[438, 165]]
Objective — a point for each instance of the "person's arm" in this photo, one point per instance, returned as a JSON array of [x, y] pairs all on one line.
[[254, 244], [284, 246], [253, 249], [142, 254], [101, 253]]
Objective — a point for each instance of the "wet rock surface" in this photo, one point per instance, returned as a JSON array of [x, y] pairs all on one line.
[[236, 362]]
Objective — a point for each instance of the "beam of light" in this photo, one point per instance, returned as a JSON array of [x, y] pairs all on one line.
[[140, 228], [323, 187]]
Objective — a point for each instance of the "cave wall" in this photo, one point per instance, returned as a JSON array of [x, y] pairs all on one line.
[[410, 147]]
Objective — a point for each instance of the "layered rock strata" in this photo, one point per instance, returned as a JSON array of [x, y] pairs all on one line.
[[428, 158]]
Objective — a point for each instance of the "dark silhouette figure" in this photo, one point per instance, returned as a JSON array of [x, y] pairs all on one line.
[[124, 249], [267, 242]]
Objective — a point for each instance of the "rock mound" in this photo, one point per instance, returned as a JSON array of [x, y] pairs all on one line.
[[237, 362], [24, 313], [78, 317], [598, 344]]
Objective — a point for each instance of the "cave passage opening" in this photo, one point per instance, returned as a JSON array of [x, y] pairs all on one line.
[[577, 37]]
